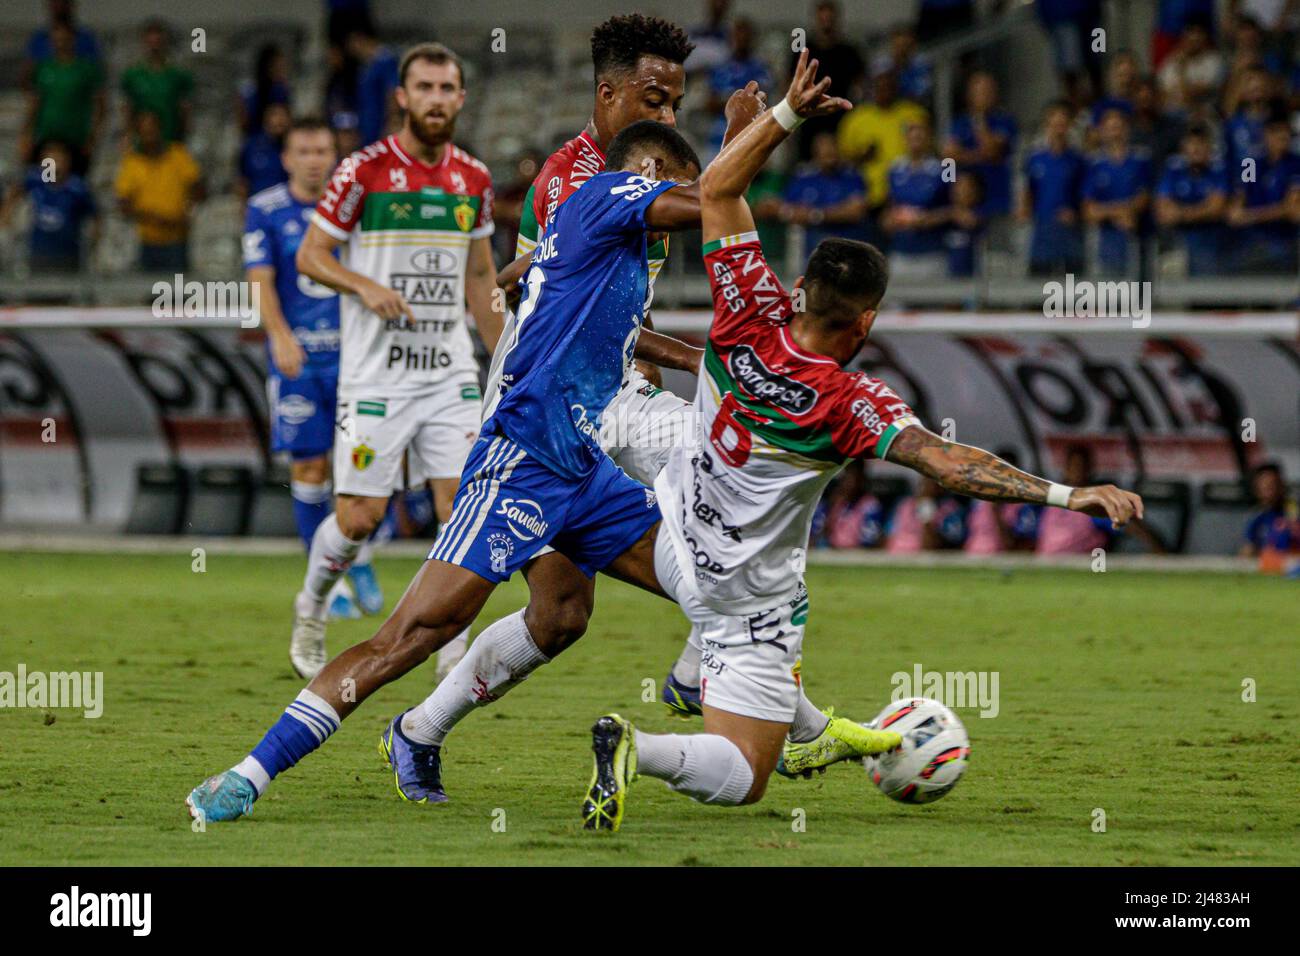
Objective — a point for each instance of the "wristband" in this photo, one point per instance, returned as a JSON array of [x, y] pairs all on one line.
[[1059, 495], [784, 114]]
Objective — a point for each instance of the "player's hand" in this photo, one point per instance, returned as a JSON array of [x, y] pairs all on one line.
[[385, 303], [807, 94], [1107, 501], [743, 105], [287, 353]]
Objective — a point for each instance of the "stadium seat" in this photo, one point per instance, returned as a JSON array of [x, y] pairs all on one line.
[[161, 496], [271, 514], [220, 502], [1219, 522]]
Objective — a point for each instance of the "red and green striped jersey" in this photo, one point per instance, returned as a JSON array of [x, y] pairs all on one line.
[[408, 225], [775, 424]]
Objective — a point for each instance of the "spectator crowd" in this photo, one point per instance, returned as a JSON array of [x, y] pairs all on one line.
[[1190, 151], [1187, 148], [157, 181]]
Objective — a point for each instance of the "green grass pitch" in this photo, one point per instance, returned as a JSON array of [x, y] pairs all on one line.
[[1120, 691]]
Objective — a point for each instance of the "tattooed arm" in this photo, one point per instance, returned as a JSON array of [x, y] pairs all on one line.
[[974, 472]]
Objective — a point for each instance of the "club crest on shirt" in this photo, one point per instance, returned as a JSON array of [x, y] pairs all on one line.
[[362, 457], [464, 214]]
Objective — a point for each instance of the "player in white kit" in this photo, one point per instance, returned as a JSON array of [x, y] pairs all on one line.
[[779, 416], [413, 215]]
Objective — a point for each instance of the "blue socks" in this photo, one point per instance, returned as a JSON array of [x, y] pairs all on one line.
[[305, 725]]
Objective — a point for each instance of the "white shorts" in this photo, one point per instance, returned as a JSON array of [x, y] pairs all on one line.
[[435, 430], [641, 425], [749, 663]]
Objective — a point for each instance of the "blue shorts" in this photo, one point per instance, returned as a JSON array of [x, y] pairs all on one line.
[[509, 506], [302, 413]]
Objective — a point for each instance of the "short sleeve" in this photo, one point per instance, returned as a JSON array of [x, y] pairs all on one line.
[[745, 289], [484, 225], [1165, 188], [526, 240], [339, 210], [617, 204], [868, 416], [258, 239]]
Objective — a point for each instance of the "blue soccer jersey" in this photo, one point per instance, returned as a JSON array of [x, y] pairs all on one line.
[[274, 227], [1187, 185], [1055, 183], [577, 324], [302, 408], [1111, 180]]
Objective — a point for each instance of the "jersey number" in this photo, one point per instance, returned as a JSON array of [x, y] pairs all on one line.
[[732, 439]]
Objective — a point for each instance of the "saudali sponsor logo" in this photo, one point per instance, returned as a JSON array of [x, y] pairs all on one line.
[[523, 517]]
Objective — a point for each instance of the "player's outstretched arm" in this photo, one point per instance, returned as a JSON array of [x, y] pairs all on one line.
[[315, 259], [723, 210], [664, 350], [972, 471]]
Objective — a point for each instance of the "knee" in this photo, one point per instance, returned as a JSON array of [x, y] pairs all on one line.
[[555, 625], [359, 517]]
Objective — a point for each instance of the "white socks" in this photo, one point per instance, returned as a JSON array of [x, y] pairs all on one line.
[[332, 552], [502, 656], [705, 767], [809, 722], [687, 668]]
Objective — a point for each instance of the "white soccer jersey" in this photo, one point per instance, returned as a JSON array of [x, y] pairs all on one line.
[[407, 225], [775, 424]]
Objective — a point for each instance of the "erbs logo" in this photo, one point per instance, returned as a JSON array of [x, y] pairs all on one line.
[[523, 518], [433, 261]]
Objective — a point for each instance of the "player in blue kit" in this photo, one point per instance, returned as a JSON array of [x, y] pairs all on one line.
[[536, 477], [301, 319]]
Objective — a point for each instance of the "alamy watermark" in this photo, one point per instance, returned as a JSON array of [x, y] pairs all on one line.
[[53, 690], [1086, 299], [179, 299], [955, 689]]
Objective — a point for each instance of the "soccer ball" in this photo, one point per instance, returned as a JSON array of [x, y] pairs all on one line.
[[933, 754]]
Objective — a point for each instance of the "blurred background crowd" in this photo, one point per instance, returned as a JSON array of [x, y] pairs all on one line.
[[1177, 159], [1161, 142]]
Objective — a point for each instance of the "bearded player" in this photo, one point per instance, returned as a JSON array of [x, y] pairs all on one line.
[[412, 214], [778, 417]]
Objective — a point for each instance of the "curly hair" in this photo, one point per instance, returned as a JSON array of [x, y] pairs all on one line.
[[620, 41]]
